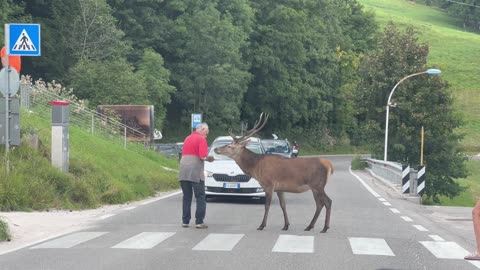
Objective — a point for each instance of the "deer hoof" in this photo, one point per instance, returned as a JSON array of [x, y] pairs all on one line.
[[285, 228], [324, 230], [260, 228], [308, 228]]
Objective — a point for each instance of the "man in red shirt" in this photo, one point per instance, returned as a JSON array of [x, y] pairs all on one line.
[[191, 176], [13, 61]]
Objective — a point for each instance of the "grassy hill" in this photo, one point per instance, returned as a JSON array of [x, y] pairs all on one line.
[[456, 53], [100, 172], [452, 50]]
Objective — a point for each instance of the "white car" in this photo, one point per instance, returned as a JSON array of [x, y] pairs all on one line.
[[223, 177]]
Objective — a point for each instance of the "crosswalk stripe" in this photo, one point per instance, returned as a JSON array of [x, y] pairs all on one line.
[[294, 244], [70, 240], [219, 242], [445, 250], [420, 228], [406, 218], [144, 240], [436, 237], [370, 246]]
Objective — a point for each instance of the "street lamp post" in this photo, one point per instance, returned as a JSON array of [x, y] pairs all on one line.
[[428, 71]]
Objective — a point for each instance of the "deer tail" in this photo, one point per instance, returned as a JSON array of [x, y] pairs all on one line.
[[328, 165]]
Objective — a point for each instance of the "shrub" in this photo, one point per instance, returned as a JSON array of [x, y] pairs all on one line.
[[358, 164], [4, 232]]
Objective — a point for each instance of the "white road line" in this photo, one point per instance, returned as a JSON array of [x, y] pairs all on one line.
[[144, 240], [107, 216], [406, 218], [370, 246], [162, 197], [395, 210], [382, 199], [387, 203], [129, 208], [420, 228], [219, 242], [445, 250], [70, 240], [363, 183], [294, 244], [436, 238]]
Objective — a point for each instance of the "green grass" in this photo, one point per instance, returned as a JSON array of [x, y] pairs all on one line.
[[456, 53], [452, 50], [100, 172]]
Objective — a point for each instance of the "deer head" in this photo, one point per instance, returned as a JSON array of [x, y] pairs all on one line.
[[239, 144]]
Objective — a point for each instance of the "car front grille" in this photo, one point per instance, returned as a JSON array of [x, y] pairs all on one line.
[[241, 178], [232, 190]]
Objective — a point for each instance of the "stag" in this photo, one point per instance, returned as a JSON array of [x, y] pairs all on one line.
[[280, 174]]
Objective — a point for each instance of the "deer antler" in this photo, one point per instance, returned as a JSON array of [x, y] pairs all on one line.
[[259, 124]]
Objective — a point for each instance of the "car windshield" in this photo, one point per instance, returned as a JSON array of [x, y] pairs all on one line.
[[276, 146], [254, 147]]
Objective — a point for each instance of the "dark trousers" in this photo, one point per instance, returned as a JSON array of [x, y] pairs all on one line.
[[189, 188]]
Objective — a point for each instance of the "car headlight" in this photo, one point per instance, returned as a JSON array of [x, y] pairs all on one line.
[[208, 174], [259, 190]]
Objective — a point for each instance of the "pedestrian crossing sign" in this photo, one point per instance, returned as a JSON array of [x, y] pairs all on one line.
[[23, 39]]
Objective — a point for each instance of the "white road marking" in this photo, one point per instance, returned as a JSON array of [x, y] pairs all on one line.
[[395, 210], [445, 250], [70, 240], [406, 218], [294, 244], [370, 246], [382, 199], [161, 198], [107, 216], [219, 242], [387, 203], [129, 208], [436, 238], [144, 240], [420, 228], [364, 184]]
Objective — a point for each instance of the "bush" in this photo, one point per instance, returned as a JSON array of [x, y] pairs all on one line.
[[4, 232], [358, 164]]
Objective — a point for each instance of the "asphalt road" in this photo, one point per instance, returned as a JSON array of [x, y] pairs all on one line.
[[372, 227]]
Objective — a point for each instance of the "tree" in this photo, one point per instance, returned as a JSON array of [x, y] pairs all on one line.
[[108, 82], [157, 79], [209, 69], [421, 101]]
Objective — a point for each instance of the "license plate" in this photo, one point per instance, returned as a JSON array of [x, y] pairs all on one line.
[[231, 185]]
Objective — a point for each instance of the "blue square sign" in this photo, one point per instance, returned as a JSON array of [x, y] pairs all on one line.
[[24, 39], [196, 119]]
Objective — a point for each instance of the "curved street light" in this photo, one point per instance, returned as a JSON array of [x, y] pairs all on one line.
[[430, 71]]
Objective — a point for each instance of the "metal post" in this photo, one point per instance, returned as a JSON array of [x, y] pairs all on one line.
[[7, 97], [93, 125], [125, 137], [421, 147], [388, 104]]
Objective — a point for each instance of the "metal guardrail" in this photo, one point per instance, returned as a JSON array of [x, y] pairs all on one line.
[[391, 171], [38, 99]]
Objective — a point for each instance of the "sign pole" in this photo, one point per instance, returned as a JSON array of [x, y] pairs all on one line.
[[7, 96]]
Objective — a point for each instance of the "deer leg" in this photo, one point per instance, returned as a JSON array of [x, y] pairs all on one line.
[[268, 201], [281, 198], [319, 203], [328, 205]]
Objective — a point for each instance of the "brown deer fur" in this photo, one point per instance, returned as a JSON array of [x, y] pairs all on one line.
[[280, 174]]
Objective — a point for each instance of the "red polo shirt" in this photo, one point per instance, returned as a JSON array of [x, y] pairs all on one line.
[[13, 61], [195, 145]]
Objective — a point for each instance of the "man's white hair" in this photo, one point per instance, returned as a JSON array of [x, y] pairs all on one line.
[[201, 126]]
